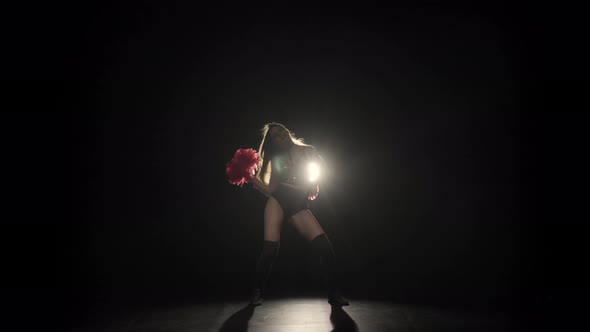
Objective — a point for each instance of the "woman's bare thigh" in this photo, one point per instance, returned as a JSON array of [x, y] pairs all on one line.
[[273, 220], [306, 224]]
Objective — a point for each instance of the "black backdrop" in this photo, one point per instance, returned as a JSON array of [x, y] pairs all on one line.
[[434, 192]]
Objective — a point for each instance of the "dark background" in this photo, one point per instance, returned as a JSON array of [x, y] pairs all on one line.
[[433, 122]]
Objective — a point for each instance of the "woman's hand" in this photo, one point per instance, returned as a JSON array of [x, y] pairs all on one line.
[[260, 186]]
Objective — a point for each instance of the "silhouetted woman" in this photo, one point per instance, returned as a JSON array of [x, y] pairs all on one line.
[[288, 176]]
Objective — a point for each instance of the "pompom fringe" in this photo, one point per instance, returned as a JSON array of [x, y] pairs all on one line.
[[242, 167], [314, 194]]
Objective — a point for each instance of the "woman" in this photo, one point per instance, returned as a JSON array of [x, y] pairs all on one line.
[[284, 176]]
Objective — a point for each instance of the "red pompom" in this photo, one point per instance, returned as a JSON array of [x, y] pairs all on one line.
[[242, 167], [314, 194]]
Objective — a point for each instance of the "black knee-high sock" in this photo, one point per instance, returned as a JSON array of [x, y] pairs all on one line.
[[322, 247], [270, 250]]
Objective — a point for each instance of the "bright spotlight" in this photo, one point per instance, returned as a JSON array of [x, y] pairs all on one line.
[[313, 171]]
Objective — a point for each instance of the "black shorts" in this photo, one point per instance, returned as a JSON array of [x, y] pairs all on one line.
[[291, 200]]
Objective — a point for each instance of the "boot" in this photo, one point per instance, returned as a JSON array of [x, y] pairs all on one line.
[[270, 250], [323, 248], [335, 298], [256, 297]]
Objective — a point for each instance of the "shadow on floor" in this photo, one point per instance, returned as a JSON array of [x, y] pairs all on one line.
[[341, 321], [238, 321]]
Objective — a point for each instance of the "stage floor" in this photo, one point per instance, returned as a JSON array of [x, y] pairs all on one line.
[[290, 314]]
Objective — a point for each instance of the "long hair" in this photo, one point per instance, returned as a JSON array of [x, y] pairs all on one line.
[[267, 150]]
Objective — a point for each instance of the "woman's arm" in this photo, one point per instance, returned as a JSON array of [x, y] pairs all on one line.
[[263, 187]]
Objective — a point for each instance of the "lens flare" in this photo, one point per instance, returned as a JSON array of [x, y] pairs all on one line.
[[313, 171]]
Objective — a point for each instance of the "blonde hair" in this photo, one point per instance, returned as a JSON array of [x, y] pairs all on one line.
[[267, 150]]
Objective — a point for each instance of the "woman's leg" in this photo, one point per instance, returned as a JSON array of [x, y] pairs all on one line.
[[273, 220], [312, 231], [306, 224]]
